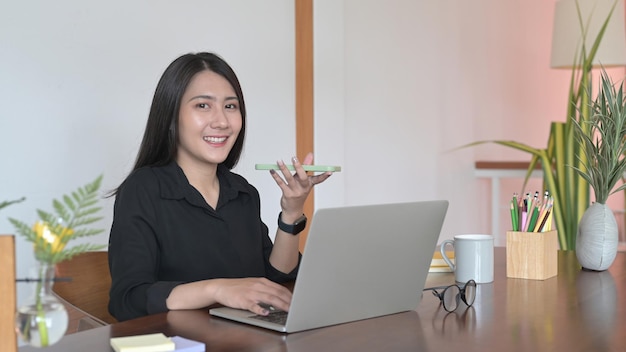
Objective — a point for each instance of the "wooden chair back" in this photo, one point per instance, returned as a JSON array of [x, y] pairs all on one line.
[[89, 289], [8, 339]]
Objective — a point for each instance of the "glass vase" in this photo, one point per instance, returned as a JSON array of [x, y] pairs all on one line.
[[42, 320]]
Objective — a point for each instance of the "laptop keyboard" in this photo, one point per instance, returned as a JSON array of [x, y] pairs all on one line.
[[276, 317]]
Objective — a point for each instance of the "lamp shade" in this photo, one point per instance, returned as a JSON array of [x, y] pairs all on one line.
[[567, 32]]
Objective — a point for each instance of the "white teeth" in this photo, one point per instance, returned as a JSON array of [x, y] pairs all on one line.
[[214, 139]]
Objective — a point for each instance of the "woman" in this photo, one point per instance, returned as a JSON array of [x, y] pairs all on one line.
[[186, 231]]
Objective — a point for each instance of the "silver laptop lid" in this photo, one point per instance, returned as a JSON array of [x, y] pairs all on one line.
[[364, 261]]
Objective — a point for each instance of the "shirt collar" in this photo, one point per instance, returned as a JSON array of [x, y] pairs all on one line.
[[174, 184]]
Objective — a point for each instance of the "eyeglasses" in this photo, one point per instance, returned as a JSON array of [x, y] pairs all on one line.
[[451, 295]]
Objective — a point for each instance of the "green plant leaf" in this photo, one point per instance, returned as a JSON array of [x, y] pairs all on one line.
[[51, 236], [9, 202], [603, 142]]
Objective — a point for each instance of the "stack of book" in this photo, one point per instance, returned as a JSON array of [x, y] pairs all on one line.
[[438, 265]]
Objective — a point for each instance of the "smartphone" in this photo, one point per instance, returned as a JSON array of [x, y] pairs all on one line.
[[314, 168]]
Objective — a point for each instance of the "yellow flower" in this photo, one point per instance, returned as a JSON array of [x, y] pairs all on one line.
[[52, 240]]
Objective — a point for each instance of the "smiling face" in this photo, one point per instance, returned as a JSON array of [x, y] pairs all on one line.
[[209, 121]]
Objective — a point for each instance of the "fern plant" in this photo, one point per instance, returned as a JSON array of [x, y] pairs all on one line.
[[54, 231], [9, 202]]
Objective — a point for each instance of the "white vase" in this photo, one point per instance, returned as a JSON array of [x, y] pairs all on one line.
[[596, 241]]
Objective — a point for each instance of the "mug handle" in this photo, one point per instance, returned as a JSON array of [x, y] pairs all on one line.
[[443, 253]]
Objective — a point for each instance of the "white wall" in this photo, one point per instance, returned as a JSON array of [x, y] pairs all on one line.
[[329, 99], [77, 78], [401, 83]]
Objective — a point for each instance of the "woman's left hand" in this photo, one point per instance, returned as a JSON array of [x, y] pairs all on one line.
[[296, 187]]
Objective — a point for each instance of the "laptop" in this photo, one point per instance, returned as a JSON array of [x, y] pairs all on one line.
[[359, 262]]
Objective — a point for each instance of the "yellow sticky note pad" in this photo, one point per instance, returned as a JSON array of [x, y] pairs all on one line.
[[143, 343]]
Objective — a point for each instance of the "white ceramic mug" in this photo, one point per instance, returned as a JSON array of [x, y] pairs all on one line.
[[473, 257]]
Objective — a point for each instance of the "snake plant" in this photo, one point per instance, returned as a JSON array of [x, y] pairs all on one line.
[[603, 141]]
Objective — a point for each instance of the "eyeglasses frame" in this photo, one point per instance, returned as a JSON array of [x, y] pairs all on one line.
[[460, 295]]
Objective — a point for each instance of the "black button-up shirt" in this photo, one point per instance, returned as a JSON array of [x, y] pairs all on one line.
[[165, 234]]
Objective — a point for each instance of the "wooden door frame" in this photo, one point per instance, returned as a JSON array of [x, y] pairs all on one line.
[[304, 93]]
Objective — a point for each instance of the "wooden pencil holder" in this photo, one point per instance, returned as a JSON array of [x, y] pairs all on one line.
[[531, 255]]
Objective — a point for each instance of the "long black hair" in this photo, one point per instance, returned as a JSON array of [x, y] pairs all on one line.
[[160, 139]]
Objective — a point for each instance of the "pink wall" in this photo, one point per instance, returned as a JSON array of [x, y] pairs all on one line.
[[401, 83]]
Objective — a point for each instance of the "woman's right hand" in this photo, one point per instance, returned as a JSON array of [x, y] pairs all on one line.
[[253, 294], [246, 293]]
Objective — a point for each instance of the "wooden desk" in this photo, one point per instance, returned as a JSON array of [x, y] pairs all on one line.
[[575, 311]]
